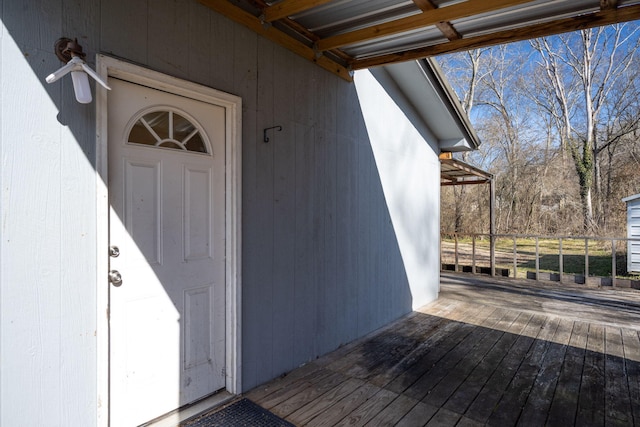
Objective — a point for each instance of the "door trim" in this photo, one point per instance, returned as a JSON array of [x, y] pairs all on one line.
[[112, 67]]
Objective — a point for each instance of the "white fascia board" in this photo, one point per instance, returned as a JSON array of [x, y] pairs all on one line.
[[455, 145], [450, 100]]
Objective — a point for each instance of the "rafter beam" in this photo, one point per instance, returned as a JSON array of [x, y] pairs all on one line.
[[608, 4], [463, 169], [433, 17], [448, 30], [287, 8], [481, 181], [597, 19], [298, 28], [445, 28], [451, 179], [248, 20]]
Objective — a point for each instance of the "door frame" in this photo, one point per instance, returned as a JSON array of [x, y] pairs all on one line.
[[111, 67]]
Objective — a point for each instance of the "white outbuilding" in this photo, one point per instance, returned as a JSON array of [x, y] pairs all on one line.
[[633, 232]]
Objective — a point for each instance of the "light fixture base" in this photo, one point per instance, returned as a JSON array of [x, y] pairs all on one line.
[[66, 48]]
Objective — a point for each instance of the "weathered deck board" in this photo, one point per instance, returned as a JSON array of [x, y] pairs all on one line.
[[306, 395], [514, 397], [321, 404], [565, 401], [488, 352], [537, 406], [446, 363], [365, 412], [345, 406], [591, 399], [394, 412], [418, 415], [426, 356], [617, 403], [473, 384], [457, 376], [285, 392], [632, 358], [505, 358]]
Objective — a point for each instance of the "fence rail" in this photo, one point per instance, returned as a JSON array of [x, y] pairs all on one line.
[[579, 259]]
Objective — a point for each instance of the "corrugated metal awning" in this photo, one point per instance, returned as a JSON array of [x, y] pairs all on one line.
[[457, 172], [346, 35]]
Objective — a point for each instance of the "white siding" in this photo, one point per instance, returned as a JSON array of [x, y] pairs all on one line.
[[47, 251], [408, 169], [633, 232], [340, 216]]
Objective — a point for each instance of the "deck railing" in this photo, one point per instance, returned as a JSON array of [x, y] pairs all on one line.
[[592, 260]]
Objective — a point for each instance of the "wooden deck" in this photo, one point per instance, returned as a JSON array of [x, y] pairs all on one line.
[[488, 352]]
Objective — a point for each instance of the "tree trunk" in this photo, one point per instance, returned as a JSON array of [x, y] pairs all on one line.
[[584, 168]]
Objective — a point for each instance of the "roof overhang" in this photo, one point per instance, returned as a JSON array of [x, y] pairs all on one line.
[[420, 89], [343, 36]]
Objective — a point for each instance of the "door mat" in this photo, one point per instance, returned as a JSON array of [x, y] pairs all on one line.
[[241, 413]]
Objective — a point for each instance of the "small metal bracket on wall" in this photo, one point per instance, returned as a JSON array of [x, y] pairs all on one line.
[[278, 128]]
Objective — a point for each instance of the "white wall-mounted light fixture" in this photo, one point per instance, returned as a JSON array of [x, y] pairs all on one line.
[[70, 52]]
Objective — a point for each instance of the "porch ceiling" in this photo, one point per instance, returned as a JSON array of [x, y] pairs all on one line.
[[346, 35]]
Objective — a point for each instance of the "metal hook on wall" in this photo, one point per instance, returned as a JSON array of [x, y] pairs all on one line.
[[278, 128]]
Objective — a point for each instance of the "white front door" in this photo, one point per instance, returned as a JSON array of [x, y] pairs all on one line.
[[167, 219]]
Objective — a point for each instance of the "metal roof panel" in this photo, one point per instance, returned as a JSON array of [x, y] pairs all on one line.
[[427, 36], [348, 15], [531, 13], [343, 35]]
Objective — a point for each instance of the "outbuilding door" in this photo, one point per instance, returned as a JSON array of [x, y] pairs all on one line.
[[167, 249]]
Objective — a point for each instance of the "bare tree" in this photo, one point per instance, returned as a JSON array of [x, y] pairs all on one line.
[[468, 71], [593, 83], [494, 83], [560, 133]]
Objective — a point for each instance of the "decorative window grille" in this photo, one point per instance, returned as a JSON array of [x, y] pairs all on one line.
[[168, 129]]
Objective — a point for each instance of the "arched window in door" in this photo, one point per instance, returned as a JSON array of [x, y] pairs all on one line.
[[168, 128]]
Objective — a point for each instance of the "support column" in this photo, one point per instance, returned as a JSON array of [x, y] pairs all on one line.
[[492, 226]]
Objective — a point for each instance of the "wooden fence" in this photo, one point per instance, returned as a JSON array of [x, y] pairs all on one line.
[[571, 259]]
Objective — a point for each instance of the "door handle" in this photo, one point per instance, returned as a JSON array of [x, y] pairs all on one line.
[[115, 278]]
